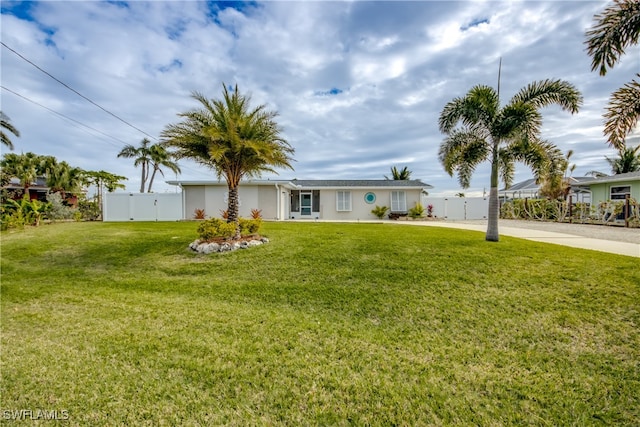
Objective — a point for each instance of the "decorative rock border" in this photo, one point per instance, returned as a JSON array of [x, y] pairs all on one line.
[[204, 247]]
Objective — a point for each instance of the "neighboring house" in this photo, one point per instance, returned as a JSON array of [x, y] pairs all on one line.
[[614, 187], [304, 199], [38, 190], [529, 189]]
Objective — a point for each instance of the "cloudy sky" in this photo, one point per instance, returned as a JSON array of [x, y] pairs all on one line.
[[358, 85]]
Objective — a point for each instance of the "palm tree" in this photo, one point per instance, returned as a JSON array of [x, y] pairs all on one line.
[[628, 160], [159, 157], [142, 156], [25, 167], [556, 184], [399, 175], [5, 123], [614, 30], [232, 139], [63, 178], [501, 135]]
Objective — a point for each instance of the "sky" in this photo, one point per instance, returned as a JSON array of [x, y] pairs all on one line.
[[358, 85]]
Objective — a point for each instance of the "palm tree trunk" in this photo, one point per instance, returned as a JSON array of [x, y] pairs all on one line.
[[233, 208], [153, 175], [143, 179], [494, 206]]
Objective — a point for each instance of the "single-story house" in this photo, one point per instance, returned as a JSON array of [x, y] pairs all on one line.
[[614, 187], [304, 199], [37, 190]]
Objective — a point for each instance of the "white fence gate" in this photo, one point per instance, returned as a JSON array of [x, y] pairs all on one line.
[[459, 208], [142, 207]]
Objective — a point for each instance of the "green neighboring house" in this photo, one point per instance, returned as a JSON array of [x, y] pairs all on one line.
[[614, 187]]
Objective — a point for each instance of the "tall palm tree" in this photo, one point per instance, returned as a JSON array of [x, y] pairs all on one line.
[[614, 30], [160, 157], [142, 156], [399, 175], [5, 123], [233, 139], [501, 135], [628, 160]]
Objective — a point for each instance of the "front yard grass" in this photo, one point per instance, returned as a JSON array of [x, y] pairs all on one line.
[[328, 324]]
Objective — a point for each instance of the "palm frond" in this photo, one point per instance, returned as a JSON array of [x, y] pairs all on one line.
[[614, 30], [622, 113], [477, 109], [547, 92], [461, 152]]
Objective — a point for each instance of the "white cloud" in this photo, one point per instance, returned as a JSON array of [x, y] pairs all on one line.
[[359, 85]]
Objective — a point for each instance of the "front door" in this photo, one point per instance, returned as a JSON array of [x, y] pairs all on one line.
[[305, 204]]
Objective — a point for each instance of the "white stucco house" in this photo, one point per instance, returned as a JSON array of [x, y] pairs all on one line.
[[304, 199]]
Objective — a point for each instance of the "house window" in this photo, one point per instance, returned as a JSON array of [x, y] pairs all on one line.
[[295, 201], [620, 193], [398, 201], [343, 201]]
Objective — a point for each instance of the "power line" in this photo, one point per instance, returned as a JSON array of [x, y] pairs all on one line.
[[87, 126], [62, 115], [78, 93]]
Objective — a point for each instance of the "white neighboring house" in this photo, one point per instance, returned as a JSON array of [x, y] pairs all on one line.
[[304, 199]]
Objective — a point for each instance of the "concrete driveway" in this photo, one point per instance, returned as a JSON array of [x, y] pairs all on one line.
[[616, 240]]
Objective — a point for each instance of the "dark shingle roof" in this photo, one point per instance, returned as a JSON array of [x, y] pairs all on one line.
[[530, 184], [613, 178], [317, 183]]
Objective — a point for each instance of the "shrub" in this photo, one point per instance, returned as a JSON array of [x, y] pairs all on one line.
[[250, 226], [89, 209], [17, 214], [215, 227], [224, 213], [380, 211], [57, 210], [199, 214], [417, 211]]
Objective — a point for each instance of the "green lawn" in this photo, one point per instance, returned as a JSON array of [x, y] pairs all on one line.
[[329, 324]]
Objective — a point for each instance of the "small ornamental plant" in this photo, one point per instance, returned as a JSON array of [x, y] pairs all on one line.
[[199, 214], [380, 211], [429, 210], [417, 211]]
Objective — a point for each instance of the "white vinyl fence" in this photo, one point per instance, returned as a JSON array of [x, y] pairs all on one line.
[[458, 208], [142, 207]]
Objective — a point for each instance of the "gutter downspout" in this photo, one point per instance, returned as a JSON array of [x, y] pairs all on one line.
[[277, 202]]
